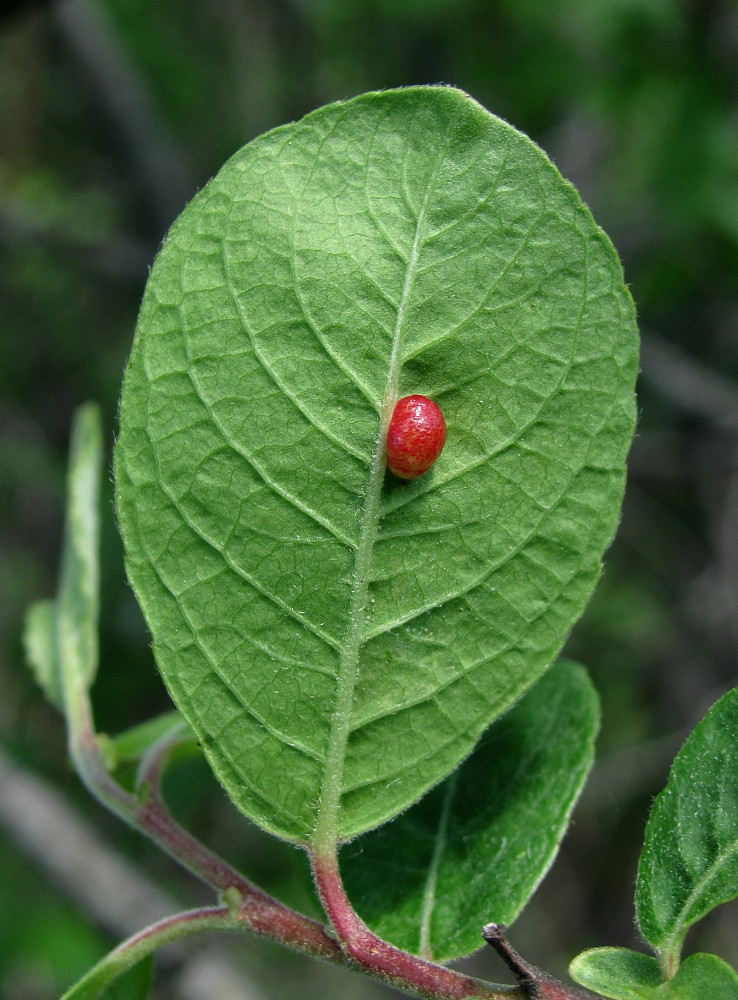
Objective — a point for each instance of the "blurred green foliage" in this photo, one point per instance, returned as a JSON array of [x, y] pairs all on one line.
[[47, 942], [114, 112]]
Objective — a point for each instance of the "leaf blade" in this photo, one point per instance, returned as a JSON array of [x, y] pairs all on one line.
[[72, 655], [39, 643], [689, 863], [618, 973], [700, 976], [476, 848], [330, 266]]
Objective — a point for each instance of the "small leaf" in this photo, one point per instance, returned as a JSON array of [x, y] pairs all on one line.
[[689, 863], [475, 849], [78, 595], [701, 977], [132, 744], [618, 973], [39, 641], [339, 640]]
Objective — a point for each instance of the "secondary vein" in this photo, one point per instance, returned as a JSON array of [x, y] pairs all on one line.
[[429, 893]]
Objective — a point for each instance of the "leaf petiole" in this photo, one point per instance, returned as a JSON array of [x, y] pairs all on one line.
[[384, 961]]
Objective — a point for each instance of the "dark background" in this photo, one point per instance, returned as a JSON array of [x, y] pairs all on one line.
[[113, 113]]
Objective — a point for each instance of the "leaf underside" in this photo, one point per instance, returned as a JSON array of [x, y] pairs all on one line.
[[337, 639]]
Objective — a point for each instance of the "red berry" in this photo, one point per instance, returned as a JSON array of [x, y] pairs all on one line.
[[416, 436]]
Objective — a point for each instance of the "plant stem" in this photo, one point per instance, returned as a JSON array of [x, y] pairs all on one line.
[[535, 984], [145, 942], [669, 959], [384, 961], [245, 905], [256, 910]]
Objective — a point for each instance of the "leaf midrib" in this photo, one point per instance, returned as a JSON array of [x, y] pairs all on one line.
[[326, 835], [685, 918]]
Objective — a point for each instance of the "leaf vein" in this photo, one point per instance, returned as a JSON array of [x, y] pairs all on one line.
[[239, 571]]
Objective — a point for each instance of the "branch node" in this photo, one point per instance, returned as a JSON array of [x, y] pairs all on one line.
[[536, 985], [527, 976]]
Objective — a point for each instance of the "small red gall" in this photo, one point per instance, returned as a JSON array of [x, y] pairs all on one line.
[[416, 436]]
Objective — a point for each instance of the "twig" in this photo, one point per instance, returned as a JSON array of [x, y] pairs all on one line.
[[145, 943], [257, 911], [112, 891], [536, 985]]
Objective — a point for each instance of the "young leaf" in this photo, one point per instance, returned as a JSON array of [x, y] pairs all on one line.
[[701, 977], [618, 973], [135, 742], [689, 863], [475, 848], [78, 595], [337, 639], [60, 635], [39, 642]]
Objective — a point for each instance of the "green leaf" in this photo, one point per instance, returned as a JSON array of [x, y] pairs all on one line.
[[39, 641], [132, 744], [135, 984], [618, 973], [689, 863], [78, 595], [60, 635], [475, 848], [701, 977], [337, 639]]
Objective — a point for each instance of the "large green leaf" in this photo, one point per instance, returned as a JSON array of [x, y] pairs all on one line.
[[337, 639], [689, 863], [474, 849]]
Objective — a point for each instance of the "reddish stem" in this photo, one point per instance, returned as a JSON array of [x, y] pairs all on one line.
[[371, 954], [257, 911]]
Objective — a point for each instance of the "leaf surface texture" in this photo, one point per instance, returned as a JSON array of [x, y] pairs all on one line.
[[337, 639]]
